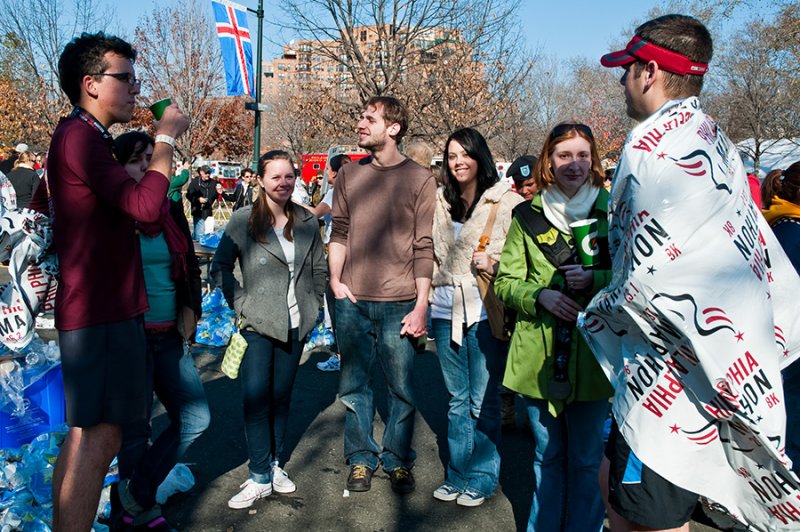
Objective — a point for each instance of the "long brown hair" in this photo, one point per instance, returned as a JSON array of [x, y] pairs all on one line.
[[782, 183], [261, 218], [543, 174]]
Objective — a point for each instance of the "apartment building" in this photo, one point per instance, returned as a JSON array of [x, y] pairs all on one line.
[[304, 61]]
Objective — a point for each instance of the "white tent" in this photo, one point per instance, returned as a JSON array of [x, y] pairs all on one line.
[[774, 154]]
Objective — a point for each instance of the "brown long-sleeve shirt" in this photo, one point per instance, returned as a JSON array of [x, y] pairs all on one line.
[[384, 217]]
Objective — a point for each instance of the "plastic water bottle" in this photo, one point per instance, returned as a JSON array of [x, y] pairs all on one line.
[[36, 353], [53, 353], [35, 358]]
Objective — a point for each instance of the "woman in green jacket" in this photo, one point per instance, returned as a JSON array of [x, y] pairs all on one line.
[[565, 392]]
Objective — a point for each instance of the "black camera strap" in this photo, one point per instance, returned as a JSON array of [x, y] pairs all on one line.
[[558, 252]]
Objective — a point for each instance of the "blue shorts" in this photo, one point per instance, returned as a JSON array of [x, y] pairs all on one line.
[[104, 369]]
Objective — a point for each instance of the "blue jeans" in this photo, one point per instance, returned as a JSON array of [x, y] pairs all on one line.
[[366, 331], [567, 454], [472, 373], [171, 373], [199, 228], [267, 376], [791, 398]]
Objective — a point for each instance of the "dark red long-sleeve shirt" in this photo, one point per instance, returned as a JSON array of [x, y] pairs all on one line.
[[95, 203]]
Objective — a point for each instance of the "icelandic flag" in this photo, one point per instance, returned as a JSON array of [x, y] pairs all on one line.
[[237, 52]]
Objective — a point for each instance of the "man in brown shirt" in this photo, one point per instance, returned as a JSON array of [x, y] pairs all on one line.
[[381, 263]]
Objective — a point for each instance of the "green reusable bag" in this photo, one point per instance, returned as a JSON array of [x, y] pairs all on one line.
[[234, 355]]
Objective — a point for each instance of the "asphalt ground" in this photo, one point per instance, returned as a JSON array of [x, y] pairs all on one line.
[[314, 460]]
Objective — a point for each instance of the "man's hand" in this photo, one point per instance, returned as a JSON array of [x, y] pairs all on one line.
[[341, 290], [559, 305], [415, 322], [173, 122]]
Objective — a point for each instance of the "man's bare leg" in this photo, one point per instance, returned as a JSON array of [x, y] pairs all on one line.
[[78, 477], [616, 522]]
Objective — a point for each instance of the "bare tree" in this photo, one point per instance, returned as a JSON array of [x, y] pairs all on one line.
[[599, 103], [32, 35], [783, 39], [232, 135], [455, 62], [179, 58], [756, 95]]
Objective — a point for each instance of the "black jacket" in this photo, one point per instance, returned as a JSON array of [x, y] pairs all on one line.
[[188, 290], [202, 189]]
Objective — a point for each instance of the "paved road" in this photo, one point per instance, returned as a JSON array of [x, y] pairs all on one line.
[[316, 465]]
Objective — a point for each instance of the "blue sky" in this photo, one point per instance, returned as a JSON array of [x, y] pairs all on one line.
[[580, 28]]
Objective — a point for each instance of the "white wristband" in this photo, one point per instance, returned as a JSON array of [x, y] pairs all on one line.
[[166, 139]]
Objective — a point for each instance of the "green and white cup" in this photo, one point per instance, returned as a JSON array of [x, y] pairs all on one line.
[[158, 108], [585, 234]]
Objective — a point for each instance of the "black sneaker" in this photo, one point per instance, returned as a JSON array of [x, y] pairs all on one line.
[[360, 478], [149, 521], [402, 480]]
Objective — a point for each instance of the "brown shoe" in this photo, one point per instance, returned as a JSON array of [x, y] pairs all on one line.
[[360, 478]]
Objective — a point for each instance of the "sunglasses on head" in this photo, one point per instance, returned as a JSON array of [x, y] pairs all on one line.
[[563, 129]]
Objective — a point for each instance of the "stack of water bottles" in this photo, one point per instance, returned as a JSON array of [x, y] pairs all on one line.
[[31, 392], [217, 324], [32, 430], [320, 336]]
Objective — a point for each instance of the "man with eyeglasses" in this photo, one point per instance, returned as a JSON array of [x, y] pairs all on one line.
[[243, 192], [101, 295]]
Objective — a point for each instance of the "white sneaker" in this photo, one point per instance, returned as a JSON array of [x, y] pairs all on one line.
[[251, 492], [281, 482], [446, 492], [470, 498]]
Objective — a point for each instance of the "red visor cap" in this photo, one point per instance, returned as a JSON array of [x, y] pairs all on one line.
[[668, 60]]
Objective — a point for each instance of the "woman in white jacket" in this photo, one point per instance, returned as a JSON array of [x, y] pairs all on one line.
[[472, 360]]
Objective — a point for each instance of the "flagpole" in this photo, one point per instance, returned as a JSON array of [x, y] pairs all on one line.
[[257, 115]]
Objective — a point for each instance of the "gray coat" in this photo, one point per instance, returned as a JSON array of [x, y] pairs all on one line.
[[260, 301]]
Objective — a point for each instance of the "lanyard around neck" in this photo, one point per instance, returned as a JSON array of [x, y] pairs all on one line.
[[89, 118]]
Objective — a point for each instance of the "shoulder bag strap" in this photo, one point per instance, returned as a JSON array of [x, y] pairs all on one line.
[[485, 238]]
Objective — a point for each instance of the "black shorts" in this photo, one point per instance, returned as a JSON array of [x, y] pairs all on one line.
[[104, 373], [641, 495]]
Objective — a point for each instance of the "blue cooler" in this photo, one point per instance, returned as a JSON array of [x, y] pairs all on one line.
[[45, 411]]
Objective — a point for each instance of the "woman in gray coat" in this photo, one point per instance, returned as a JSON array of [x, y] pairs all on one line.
[[279, 249]]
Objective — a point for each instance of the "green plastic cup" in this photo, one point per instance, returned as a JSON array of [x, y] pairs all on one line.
[[158, 108], [585, 233]]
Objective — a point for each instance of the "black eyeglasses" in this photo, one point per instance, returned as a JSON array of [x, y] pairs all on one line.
[[562, 129], [127, 77]]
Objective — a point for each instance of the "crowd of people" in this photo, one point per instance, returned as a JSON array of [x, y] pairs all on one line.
[[491, 273]]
